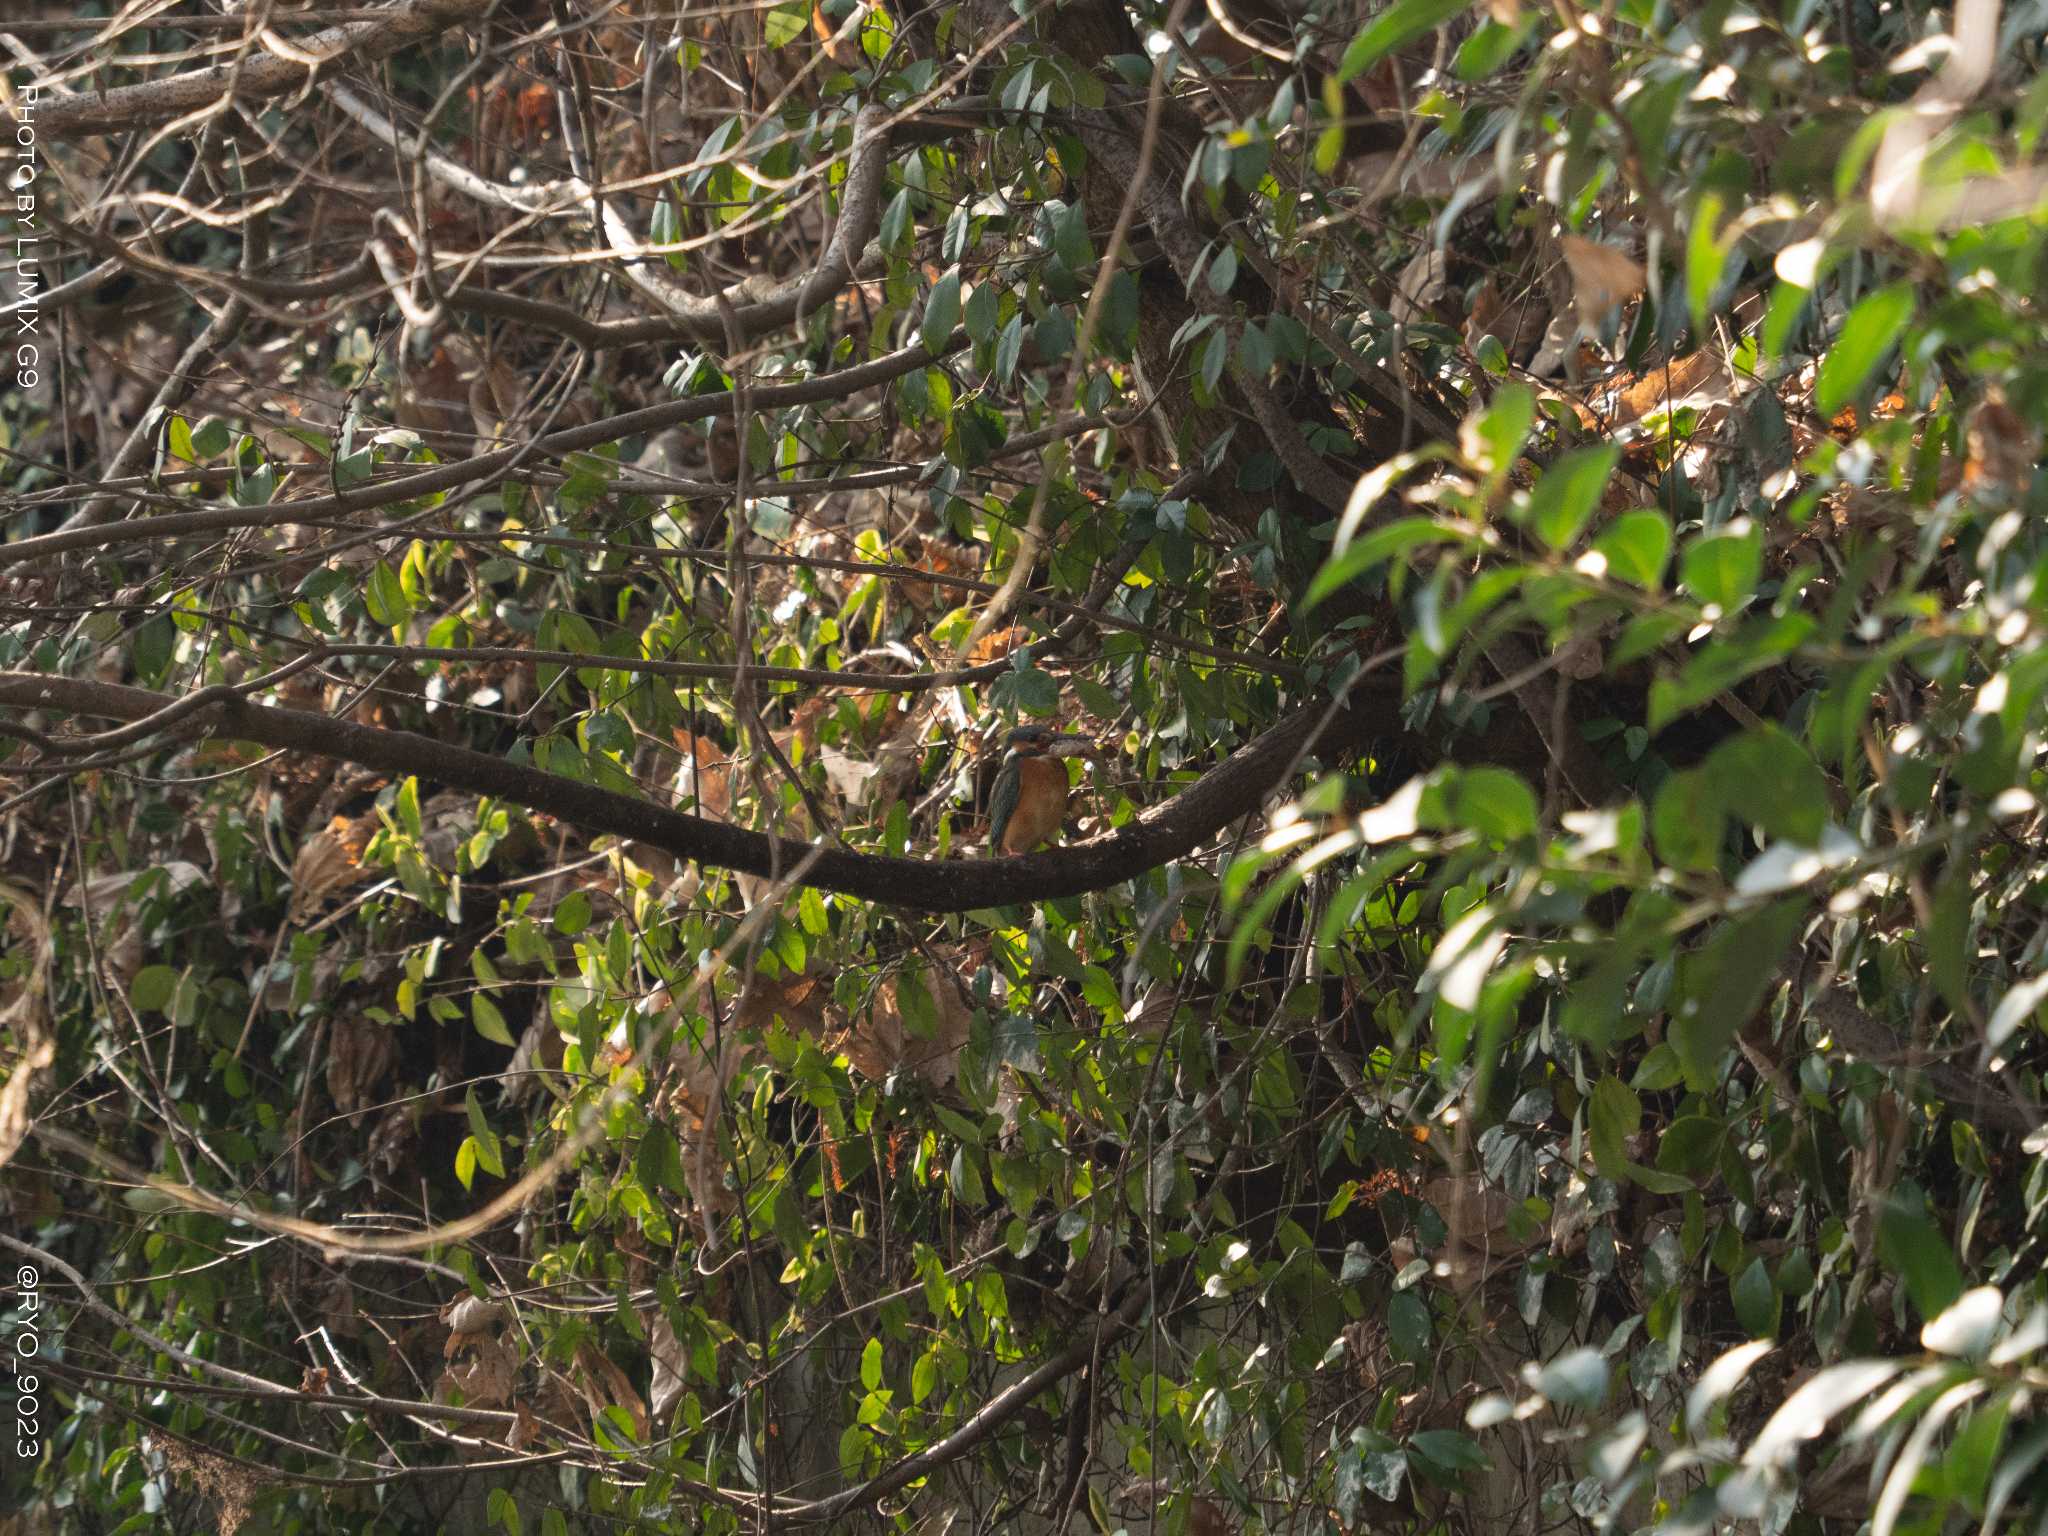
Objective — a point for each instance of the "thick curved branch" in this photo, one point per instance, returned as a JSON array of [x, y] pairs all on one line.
[[759, 307], [1984, 1099], [154, 102], [1166, 832]]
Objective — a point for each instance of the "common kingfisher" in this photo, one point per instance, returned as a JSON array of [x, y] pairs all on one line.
[[1029, 803]]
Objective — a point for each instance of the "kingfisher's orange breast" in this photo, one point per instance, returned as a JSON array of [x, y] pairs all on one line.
[[1041, 804]]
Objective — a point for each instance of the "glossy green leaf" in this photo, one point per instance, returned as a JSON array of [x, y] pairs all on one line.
[[1872, 329], [1404, 21], [1565, 499], [1635, 547]]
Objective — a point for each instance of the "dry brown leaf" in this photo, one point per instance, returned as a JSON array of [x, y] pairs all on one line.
[[1381, 86], [942, 557], [1484, 315], [330, 860], [1477, 1215], [470, 1314], [998, 644], [697, 1072], [232, 1485], [1419, 286], [705, 775], [359, 1053], [23, 1015], [486, 1373], [495, 397], [96, 894], [881, 1042], [1154, 1014], [2001, 447], [803, 725], [1602, 277], [394, 1139], [525, 1427], [669, 1366], [432, 397], [604, 1385], [1659, 388], [800, 1002]]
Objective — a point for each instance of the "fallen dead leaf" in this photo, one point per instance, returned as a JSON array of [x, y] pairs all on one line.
[[1602, 277]]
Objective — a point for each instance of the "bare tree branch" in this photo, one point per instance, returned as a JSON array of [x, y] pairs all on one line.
[[1166, 832], [153, 102]]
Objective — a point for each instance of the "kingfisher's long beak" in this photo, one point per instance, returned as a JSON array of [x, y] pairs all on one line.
[[1065, 745]]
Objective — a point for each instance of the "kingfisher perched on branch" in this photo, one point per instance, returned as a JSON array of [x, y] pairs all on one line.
[[1029, 803]]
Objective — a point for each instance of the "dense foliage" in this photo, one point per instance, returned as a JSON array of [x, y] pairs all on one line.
[[524, 550]]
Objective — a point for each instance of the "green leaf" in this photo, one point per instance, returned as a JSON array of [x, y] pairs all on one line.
[[1721, 983], [354, 468], [1494, 802], [1223, 270], [1705, 259], [1787, 304], [1721, 568], [1766, 778], [658, 1163], [1382, 1472], [1756, 1301], [1409, 1328], [942, 311], [1658, 1183], [572, 916], [155, 645], [407, 804], [1690, 1145], [785, 24], [1493, 439], [1408, 19], [1491, 46], [489, 1022], [1969, 1326], [1215, 353], [210, 438], [1658, 1070], [1254, 351], [152, 987], [1329, 147], [1819, 1398], [1918, 1252], [1946, 937], [384, 597], [1036, 692], [979, 315], [1450, 1449], [1687, 822], [1867, 335], [1613, 1115], [1014, 1040], [1636, 546], [1373, 551], [871, 1365], [1575, 1379], [1568, 493]]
